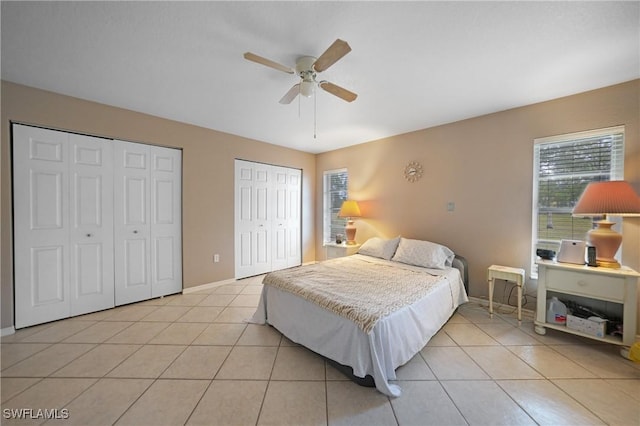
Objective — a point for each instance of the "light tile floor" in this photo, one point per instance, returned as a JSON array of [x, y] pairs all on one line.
[[191, 359]]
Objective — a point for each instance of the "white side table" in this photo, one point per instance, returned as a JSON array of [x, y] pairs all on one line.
[[333, 250], [506, 273], [598, 283]]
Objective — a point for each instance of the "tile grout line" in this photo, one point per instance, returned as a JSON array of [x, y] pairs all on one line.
[[544, 377]]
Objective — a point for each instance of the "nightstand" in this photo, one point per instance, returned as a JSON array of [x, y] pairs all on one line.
[[506, 273], [598, 283], [333, 250]]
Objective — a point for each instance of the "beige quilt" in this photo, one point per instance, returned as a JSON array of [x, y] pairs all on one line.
[[356, 288]]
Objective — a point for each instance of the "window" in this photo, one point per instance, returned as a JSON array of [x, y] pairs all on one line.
[[563, 166], [335, 192]]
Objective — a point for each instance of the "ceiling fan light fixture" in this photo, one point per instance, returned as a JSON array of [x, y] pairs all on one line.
[[307, 88]]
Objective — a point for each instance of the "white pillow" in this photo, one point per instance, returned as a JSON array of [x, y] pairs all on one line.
[[377, 247], [423, 253]]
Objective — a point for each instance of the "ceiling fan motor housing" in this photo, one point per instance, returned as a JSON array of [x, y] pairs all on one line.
[[304, 64], [304, 68]]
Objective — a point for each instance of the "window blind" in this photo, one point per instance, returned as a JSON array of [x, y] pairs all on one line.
[[335, 192]]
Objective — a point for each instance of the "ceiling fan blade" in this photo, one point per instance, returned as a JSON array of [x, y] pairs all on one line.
[[337, 50], [338, 91], [268, 62], [291, 94]]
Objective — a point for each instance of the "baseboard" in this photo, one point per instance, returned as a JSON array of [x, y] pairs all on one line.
[[7, 331], [208, 286]]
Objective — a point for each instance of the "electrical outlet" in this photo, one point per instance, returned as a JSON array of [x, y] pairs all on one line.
[[216, 258], [451, 206]]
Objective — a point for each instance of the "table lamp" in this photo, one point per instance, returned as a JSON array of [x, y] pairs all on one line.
[[350, 210], [615, 198]]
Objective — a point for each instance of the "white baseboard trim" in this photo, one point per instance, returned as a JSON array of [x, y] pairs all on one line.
[[208, 286], [7, 331]]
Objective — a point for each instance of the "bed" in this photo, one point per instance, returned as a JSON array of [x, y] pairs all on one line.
[[371, 312]]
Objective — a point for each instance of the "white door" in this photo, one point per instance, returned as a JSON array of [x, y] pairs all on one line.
[[244, 227], [91, 224], [41, 225], [166, 222], [280, 220], [253, 219], [132, 222], [267, 218], [262, 216]]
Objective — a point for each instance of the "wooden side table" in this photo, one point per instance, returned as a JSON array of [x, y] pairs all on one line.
[[506, 273]]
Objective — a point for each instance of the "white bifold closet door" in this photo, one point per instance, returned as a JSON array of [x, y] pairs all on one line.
[[286, 192], [63, 225], [267, 218], [148, 224], [97, 223]]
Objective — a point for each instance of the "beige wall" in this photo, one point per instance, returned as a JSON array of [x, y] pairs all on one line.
[[484, 165], [208, 176]]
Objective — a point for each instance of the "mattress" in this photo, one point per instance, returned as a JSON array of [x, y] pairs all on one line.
[[387, 338]]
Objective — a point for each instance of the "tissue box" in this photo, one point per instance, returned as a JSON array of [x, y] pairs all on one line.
[[593, 326]]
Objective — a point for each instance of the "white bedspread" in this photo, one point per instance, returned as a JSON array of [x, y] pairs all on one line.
[[392, 341]]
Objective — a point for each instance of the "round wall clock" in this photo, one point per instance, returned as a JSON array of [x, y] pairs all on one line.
[[413, 171]]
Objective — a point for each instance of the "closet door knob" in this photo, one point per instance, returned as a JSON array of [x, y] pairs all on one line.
[[89, 235], [135, 231]]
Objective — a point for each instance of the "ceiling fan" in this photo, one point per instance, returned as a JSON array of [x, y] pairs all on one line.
[[307, 68]]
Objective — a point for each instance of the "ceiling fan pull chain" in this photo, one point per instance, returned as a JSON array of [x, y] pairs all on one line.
[[315, 108]]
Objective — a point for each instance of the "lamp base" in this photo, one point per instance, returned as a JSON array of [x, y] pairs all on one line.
[[606, 263], [350, 231], [606, 241]]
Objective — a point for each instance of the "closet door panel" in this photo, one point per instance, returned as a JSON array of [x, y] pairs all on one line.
[[131, 222], [91, 232], [261, 219], [134, 256], [47, 194], [41, 225], [279, 219], [166, 222], [243, 223], [253, 219], [47, 276]]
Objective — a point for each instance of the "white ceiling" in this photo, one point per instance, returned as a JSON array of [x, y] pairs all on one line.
[[414, 64]]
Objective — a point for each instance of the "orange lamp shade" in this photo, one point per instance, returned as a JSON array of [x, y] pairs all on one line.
[[607, 198], [349, 208], [615, 197]]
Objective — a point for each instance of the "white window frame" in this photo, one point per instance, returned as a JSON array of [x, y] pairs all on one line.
[[616, 173], [327, 208]]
